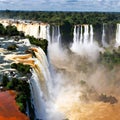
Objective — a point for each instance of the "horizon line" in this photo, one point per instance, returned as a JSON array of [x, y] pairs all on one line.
[[60, 11]]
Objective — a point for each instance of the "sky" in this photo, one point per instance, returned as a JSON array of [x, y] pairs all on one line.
[[61, 5]]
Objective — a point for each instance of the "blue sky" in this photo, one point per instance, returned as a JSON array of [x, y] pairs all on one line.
[[61, 5]]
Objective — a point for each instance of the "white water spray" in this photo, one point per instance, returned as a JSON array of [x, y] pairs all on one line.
[[84, 41], [104, 44], [118, 35], [43, 89]]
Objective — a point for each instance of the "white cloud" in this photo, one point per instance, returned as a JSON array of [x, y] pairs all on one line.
[[62, 5]]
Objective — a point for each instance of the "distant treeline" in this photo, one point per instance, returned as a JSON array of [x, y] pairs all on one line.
[[61, 17]]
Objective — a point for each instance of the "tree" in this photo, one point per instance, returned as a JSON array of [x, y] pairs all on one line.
[[11, 30], [5, 80]]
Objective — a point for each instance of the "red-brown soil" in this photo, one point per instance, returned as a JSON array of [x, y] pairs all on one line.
[[9, 110]]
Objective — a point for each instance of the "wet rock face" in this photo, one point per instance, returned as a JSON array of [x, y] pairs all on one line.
[[107, 99]]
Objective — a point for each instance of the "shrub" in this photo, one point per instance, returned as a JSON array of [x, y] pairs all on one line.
[[21, 107], [2, 29], [23, 92], [110, 58], [43, 43], [5, 80], [21, 68], [12, 47], [12, 84], [11, 30]]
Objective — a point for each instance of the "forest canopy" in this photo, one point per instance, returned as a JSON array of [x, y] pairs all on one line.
[[60, 17]]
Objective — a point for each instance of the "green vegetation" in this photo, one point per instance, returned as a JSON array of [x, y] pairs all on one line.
[[22, 89], [21, 68], [12, 47], [43, 43], [20, 86], [5, 80], [67, 31], [59, 17], [9, 31], [29, 51], [2, 30], [82, 82], [110, 58], [105, 98]]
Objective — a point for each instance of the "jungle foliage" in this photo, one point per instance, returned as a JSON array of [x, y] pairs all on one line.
[[22, 89], [43, 43], [59, 17], [9, 31], [21, 68], [110, 58]]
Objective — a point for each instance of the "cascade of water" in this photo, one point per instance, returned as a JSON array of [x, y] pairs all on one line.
[[83, 38], [104, 44], [83, 41], [43, 31], [53, 34], [81, 35], [34, 30], [26, 29], [78, 35], [74, 34], [86, 34], [48, 33], [91, 34], [59, 35], [42, 88], [56, 35], [118, 35], [41, 84], [37, 97]]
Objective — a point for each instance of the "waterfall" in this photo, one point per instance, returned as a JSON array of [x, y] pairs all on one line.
[[81, 35], [104, 44], [39, 30], [37, 97], [55, 45], [59, 35], [43, 89], [91, 34], [118, 35], [83, 38], [43, 31], [83, 41], [75, 34], [31, 29], [86, 34], [39, 84], [56, 35], [34, 30], [48, 33]]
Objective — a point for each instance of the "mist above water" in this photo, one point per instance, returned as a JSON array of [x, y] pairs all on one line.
[[84, 43], [80, 79]]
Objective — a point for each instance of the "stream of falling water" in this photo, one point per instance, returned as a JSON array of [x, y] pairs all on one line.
[[104, 44], [83, 41], [118, 35]]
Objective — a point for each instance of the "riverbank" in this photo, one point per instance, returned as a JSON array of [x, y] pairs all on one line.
[[9, 109]]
